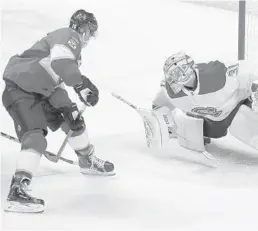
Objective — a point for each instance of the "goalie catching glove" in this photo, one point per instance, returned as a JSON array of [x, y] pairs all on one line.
[[87, 92]]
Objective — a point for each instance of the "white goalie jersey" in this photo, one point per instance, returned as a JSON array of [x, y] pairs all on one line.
[[220, 89]]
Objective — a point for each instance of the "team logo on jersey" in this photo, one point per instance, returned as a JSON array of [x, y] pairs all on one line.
[[72, 43], [232, 70], [207, 111]]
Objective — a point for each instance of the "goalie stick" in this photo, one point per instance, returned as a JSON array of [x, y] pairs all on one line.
[[49, 155], [149, 132]]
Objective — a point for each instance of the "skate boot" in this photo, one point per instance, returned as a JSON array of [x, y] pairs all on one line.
[[92, 165], [19, 200]]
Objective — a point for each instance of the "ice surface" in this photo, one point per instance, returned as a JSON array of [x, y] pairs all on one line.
[[170, 190]]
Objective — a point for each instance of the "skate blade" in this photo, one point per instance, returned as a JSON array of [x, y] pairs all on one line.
[[91, 172], [17, 207]]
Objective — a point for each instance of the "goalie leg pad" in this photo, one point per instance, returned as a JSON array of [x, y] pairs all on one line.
[[158, 125], [244, 126], [189, 131], [152, 128], [165, 124]]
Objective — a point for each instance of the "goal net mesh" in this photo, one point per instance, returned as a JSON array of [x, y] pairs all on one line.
[[251, 25]]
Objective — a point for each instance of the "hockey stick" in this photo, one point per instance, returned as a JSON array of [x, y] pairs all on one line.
[[124, 101], [61, 149], [149, 131], [49, 155]]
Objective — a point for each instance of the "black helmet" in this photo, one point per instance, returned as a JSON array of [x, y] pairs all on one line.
[[81, 18]]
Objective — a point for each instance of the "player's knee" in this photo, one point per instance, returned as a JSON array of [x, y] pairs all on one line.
[[34, 140], [65, 128]]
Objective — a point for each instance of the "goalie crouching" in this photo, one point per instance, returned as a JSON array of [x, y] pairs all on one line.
[[197, 102]]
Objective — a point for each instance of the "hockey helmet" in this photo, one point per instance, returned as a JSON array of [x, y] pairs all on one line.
[[179, 70], [84, 22]]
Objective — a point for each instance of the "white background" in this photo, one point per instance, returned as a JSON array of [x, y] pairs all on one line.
[[169, 190]]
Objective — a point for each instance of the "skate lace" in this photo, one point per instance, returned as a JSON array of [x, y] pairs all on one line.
[[21, 190], [95, 160]]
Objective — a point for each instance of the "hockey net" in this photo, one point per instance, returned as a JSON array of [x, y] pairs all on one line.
[[251, 42], [251, 22]]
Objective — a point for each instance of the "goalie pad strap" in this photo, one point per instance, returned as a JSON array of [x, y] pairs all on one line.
[[189, 131]]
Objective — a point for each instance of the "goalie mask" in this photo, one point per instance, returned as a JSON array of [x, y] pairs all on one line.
[[179, 70], [85, 24]]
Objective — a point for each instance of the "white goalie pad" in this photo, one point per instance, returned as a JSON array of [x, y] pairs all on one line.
[[158, 125], [244, 126], [189, 131], [152, 128], [161, 125]]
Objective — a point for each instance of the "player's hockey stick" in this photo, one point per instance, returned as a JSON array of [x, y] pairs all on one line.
[[49, 155], [148, 131], [61, 149]]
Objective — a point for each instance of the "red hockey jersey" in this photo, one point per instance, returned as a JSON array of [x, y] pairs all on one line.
[[35, 70]]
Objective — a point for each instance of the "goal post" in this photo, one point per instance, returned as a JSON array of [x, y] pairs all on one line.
[[241, 30], [246, 24], [248, 30]]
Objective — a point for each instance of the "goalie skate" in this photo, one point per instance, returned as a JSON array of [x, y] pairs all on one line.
[[20, 201]]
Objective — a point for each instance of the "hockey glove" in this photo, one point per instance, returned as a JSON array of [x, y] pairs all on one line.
[[70, 116], [53, 116], [87, 92]]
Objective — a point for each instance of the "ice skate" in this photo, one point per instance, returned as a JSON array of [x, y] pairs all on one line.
[[19, 200], [92, 165]]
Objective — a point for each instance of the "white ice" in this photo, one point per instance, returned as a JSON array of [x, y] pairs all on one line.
[[173, 190]]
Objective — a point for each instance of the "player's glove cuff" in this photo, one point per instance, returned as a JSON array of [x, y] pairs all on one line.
[[87, 92], [71, 117]]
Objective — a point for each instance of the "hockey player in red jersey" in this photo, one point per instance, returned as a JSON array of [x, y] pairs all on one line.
[[197, 102], [36, 99]]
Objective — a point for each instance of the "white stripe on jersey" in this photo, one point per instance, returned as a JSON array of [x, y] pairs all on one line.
[[60, 51], [46, 64]]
